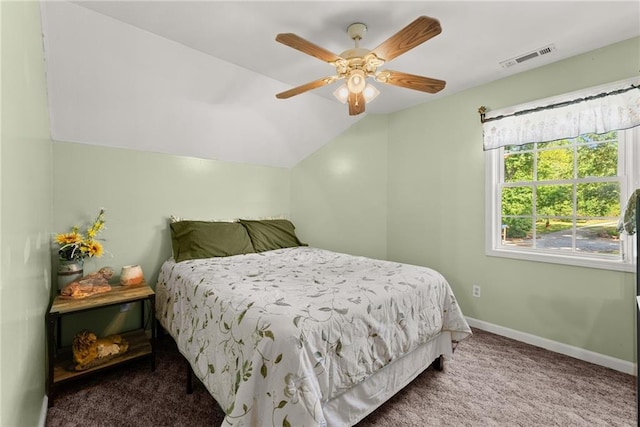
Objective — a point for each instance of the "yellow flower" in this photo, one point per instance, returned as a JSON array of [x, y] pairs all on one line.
[[94, 248], [97, 226], [68, 238], [74, 245]]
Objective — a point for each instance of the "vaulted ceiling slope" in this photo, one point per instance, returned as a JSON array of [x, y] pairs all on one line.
[[199, 78]]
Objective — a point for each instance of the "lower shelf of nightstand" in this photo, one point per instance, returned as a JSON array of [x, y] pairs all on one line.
[[139, 346]]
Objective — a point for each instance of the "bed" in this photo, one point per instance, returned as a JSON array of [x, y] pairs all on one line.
[[297, 335]]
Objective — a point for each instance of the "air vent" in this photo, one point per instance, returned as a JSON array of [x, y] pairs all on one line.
[[527, 56]]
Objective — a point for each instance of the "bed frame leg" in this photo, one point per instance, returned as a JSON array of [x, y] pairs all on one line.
[[160, 332], [438, 364], [189, 378]]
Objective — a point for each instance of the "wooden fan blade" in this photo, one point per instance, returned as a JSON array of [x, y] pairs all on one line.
[[297, 42], [356, 103], [414, 34], [411, 81], [305, 87]]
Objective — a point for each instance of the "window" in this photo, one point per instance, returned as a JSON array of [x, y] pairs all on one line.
[[556, 198], [560, 201]]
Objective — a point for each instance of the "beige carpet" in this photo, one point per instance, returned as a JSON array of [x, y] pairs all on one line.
[[491, 381]]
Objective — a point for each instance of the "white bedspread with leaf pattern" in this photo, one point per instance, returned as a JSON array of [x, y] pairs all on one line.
[[273, 335]]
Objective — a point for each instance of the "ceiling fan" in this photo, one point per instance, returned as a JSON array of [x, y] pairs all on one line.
[[357, 64]]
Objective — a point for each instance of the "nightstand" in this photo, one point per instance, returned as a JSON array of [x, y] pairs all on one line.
[[140, 346]]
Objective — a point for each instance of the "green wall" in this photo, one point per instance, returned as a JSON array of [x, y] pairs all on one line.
[[338, 195], [139, 192], [25, 215], [437, 213]]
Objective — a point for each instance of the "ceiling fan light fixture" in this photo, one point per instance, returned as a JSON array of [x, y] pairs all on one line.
[[370, 92], [357, 81], [342, 93]]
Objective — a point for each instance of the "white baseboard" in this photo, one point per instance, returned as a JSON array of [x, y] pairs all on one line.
[[558, 347], [43, 411]]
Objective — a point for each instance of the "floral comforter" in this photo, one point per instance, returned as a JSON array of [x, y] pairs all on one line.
[[275, 334]]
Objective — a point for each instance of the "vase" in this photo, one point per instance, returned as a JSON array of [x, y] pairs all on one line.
[[131, 275], [69, 271]]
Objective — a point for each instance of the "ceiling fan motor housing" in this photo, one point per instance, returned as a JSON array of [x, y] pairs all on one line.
[[356, 52], [357, 58], [355, 55]]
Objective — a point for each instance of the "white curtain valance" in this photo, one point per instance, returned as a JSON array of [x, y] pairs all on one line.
[[601, 109]]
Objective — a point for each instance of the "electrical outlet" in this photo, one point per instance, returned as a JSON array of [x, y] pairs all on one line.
[[476, 291]]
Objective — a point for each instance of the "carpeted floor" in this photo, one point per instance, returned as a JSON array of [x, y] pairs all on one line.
[[491, 381]]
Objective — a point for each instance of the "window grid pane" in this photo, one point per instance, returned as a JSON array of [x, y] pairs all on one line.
[[562, 196]]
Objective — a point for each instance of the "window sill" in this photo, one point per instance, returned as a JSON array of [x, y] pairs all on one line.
[[594, 262]]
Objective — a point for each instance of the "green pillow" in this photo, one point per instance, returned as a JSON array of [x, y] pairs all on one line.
[[267, 235], [206, 239]]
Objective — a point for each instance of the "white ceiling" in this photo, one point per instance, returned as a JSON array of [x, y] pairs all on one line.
[[199, 78]]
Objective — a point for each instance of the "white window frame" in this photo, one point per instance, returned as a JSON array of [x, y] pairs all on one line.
[[628, 167]]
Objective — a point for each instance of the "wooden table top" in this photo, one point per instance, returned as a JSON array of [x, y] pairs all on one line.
[[117, 295]]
